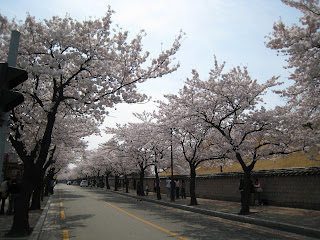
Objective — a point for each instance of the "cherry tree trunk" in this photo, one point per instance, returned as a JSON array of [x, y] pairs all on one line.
[[36, 198], [157, 183], [193, 185], [36, 195], [21, 225], [116, 182], [107, 180], [127, 183], [141, 182], [246, 193], [247, 185], [46, 186]]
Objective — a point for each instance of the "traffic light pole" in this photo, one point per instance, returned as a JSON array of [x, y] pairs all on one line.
[[12, 62]]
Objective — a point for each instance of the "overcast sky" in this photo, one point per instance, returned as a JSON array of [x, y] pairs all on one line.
[[233, 30]]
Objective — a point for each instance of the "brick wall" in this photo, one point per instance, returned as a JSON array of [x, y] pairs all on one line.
[[298, 187]]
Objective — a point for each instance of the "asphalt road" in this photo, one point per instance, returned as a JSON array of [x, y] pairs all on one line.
[[84, 213]]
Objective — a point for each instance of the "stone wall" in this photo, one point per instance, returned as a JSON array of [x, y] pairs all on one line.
[[299, 187]]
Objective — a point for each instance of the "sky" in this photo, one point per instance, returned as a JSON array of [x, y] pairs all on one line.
[[233, 30]]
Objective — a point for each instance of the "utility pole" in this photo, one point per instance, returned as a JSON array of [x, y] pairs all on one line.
[[172, 180]]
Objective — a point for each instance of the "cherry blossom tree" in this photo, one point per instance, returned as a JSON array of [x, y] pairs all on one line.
[[159, 142], [64, 149], [160, 152], [134, 139], [117, 160], [300, 43], [104, 157], [191, 137], [93, 166], [58, 161], [75, 68], [230, 106]]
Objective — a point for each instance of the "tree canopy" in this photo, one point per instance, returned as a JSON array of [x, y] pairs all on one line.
[[77, 70]]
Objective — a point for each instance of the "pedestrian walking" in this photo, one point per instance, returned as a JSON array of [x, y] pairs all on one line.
[[4, 193], [14, 191], [177, 182], [147, 189], [173, 190], [52, 184], [139, 191], [183, 189], [257, 191], [158, 185], [168, 186]]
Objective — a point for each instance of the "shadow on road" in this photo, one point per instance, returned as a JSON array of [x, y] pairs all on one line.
[[77, 221], [70, 196]]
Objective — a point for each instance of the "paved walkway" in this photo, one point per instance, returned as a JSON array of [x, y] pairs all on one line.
[[34, 217], [300, 221]]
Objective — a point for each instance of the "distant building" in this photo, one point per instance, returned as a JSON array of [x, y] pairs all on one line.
[[12, 167]]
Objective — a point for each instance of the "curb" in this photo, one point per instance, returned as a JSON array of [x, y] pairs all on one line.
[[310, 232], [38, 228]]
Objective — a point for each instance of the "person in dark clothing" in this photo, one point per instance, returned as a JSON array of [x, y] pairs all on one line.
[[147, 189], [4, 193], [177, 188], [183, 189], [257, 191], [52, 184], [154, 186], [14, 190], [139, 191]]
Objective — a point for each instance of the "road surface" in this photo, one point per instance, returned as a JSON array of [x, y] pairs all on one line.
[[84, 213]]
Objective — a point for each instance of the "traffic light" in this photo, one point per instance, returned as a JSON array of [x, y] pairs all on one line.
[[10, 78]]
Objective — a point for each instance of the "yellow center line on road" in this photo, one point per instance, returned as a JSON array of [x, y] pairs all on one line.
[[65, 235], [257, 229], [149, 223], [63, 216]]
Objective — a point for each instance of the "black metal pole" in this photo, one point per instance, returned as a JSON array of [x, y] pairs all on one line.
[[172, 180]]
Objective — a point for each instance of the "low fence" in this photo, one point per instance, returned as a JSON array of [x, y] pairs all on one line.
[[298, 187]]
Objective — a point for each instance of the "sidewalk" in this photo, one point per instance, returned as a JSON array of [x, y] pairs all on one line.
[[295, 220], [34, 217]]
